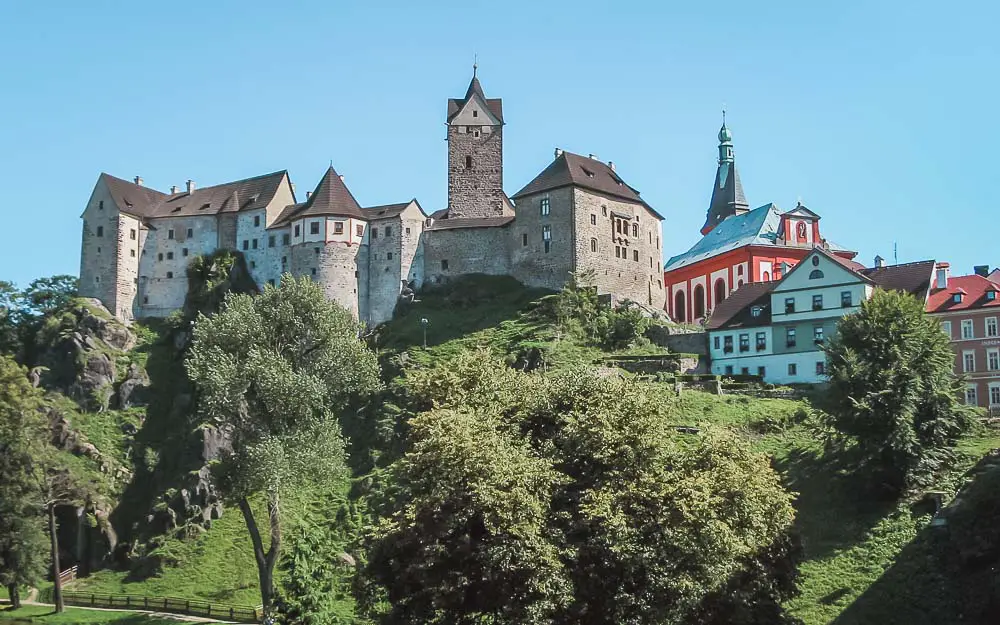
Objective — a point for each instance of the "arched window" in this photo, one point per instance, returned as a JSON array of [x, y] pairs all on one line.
[[815, 274], [699, 302], [468, 162], [593, 245], [635, 230], [720, 291], [739, 270], [680, 307], [767, 276]]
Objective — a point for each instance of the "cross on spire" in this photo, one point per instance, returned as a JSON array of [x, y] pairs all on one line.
[[475, 64]]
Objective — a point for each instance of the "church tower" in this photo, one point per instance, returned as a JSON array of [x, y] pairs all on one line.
[[475, 155], [727, 194]]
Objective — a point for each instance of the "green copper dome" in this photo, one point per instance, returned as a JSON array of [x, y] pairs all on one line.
[[724, 135]]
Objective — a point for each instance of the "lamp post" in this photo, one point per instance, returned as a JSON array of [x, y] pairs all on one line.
[[423, 324]]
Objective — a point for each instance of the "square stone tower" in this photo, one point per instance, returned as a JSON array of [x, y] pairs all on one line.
[[475, 155]]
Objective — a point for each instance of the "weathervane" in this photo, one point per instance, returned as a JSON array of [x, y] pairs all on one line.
[[475, 64]]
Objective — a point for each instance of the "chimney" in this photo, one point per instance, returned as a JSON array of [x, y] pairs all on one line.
[[981, 270], [879, 262], [558, 152], [173, 189], [190, 186], [941, 276], [593, 156], [611, 165], [138, 180], [308, 195]]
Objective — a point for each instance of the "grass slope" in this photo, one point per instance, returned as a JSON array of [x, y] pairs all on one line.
[[72, 616]]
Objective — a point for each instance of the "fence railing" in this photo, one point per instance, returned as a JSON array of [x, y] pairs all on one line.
[[68, 575], [173, 605]]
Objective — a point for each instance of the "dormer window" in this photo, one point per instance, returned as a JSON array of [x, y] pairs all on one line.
[[991, 295], [957, 298], [755, 311]]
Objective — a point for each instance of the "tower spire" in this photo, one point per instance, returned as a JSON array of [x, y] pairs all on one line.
[[475, 64], [727, 194]]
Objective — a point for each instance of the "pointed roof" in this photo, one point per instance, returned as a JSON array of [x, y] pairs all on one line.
[[331, 197], [131, 198], [455, 105], [727, 194], [589, 173]]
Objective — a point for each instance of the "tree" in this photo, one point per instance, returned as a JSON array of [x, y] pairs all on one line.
[[22, 540], [45, 295], [566, 498], [9, 296], [272, 372], [893, 392]]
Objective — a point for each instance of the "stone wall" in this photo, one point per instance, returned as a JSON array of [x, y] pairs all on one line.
[[99, 248], [532, 263], [384, 269], [466, 250], [131, 238], [335, 266], [475, 191], [167, 251], [625, 264]]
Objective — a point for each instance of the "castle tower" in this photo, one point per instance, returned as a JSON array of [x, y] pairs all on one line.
[[727, 194], [475, 155]]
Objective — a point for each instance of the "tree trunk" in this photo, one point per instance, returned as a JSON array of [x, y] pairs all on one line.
[[15, 596], [265, 560], [57, 583]]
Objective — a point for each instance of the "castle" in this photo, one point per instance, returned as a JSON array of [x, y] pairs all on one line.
[[576, 216]]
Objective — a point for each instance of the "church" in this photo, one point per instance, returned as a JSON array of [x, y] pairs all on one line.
[[577, 216], [739, 245]]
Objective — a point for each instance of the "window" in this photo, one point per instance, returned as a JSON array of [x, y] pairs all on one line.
[[374, 233], [132, 253], [284, 261], [100, 205], [761, 341], [593, 219], [744, 342], [256, 221], [312, 272], [145, 299], [360, 230], [715, 342], [253, 243], [296, 230], [184, 251], [818, 334], [790, 337], [170, 233], [131, 234], [789, 305], [991, 295], [548, 246], [253, 264], [407, 231], [159, 256], [475, 113], [946, 328], [593, 245], [170, 255], [727, 344], [970, 395], [285, 238], [97, 279], [635, 255], [739, 270], [845, 299], [170, 274], [729, 370], [604, 211], [761, 371], [338, 227], [100, 231], [991, 326], [544, 206], [316, 251], [745, 371], [967, 332], [635, 230], [270, 240], [468, 162], [98, 250], [190, 233], [767, 276], [444, 265], [818, 302], [820, 367], [547, 237], [815, 274], [618, 251], [793, 369], [993, 359], [755, 311], [388, 231], [657, 242], [388, 256], [314, 227], [957, 298], [968, 361], [524, 240], [994, 395], [246, 244]]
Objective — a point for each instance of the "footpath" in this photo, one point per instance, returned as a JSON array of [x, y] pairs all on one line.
[[163, 615]]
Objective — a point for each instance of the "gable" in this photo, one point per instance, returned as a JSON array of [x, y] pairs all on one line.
[[802, 212], [474, 112], [413, 211], [817, 269]]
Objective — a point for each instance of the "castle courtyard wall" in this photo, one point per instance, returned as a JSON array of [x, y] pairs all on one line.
[[465, 251]]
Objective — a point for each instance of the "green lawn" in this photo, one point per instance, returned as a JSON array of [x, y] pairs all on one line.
[[72, 616]]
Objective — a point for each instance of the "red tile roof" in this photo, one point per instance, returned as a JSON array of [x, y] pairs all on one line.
[[973, 287], [331, 197]]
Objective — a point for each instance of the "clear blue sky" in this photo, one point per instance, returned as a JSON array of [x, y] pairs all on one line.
[[878, 115]]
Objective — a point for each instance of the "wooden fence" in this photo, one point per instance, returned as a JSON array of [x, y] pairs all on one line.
[[68, 575], [242, 614]]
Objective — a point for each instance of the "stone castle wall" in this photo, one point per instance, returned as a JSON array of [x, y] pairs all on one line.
[[476, 190], [384, 268], [459, 251], [335, 266], [99, 255], [532, 264]]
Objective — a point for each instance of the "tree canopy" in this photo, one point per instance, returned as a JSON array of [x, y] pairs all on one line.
[[893, 392], [563, 498]]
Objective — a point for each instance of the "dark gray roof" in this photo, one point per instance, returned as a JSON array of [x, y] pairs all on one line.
[[390, 210], [581, 171], [735, 310], [331, 197], [913, 278], [455, 104], [132, 198], [247, 194], [727, 196]]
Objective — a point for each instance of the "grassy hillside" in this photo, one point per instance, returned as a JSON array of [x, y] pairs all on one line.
[[44, 615]]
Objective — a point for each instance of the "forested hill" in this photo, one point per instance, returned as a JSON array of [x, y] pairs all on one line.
[[504, 468]]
